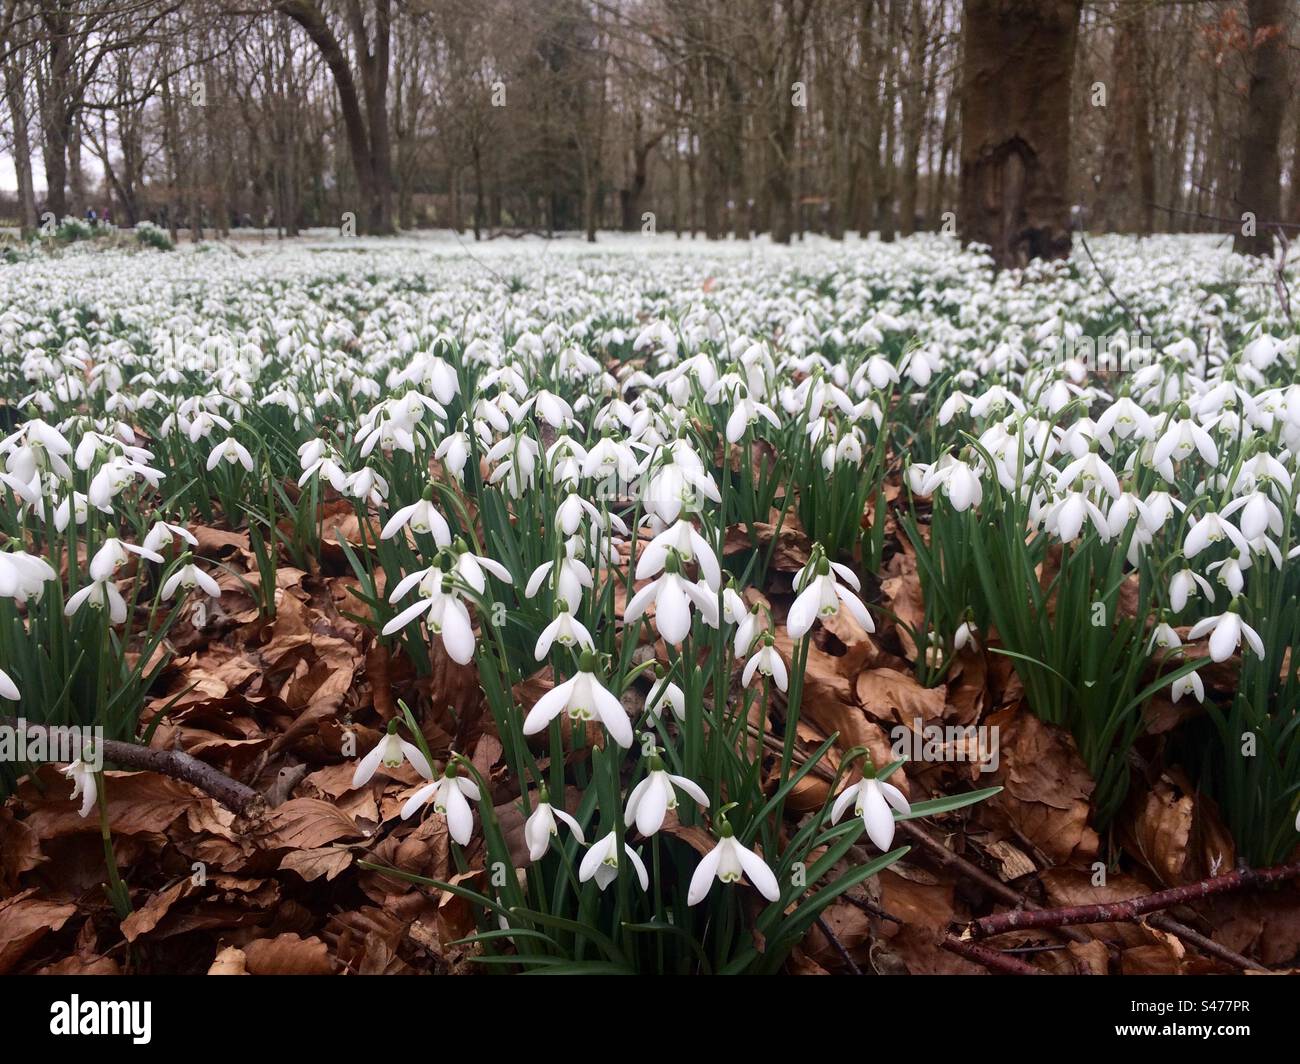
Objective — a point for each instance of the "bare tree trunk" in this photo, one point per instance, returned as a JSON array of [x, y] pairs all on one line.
[[1260, 188], [22, 149], [1019, 59], [367, 129]]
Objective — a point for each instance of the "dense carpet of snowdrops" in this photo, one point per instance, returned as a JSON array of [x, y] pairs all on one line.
[[511, 421]]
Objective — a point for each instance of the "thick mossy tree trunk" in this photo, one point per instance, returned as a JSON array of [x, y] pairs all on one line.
[[1015, 151]]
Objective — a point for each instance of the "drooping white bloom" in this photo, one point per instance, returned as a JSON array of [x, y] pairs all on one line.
[[680, 537], [445, 613], [821, 597], [84, 785], [1226, 633], [728, 861], [766, 662], [231, 451], [584, 698], [541, 827], [744, 414], [666, 693], [871, 800], [451, 794], [423, 518], [97, 594], [8, 689], [1210, 529], [163, 534], [190, 576], [570, 577], [390, 751], [113, 554], [23, 576], [566, 630], [1189, 683], [600, 863], [651, 799], [1183, 584], [673, 597]]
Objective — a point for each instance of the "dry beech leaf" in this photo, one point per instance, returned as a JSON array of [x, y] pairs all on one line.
[[1046, 789], [288, 954], [24, 921], [148, 916], [327, 861], [306, 824]]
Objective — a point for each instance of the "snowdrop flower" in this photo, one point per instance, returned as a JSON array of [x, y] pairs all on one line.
[[231, 451], [470, 568], [189, 577], [1212, 528], [541, 827], [1188, 684], [584, 698], [747, 631], [1126, 418], [1066, 517], [390, 751], [600, 863], [84, 784], [1259, 514], [871, 800], [517, 455], [570, 577], [1180, 439], [1183, 585], [680, 537], [1226, 632], [679, 485], [1232, 573], [570, 512], [965, 635], [651, 799], [608, 458], [1164, 637], [23, 576], [316, 456], [8, 689], [566, 630], [76, 507], [449, 794], [728, 861], [960, 483], [421, 517], [744, 414], [99, 593], [115, 476], [766, 662], [822, 597], [445, 613], [163, 534], [453, 453], [666, 693], [113, 555], [366, 484], [673, 597]]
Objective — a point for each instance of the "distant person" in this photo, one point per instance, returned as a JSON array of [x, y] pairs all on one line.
[[91, 216]]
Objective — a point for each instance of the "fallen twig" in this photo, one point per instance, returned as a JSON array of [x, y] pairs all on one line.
[[991, 959], [174, 763], [1132, 908]]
